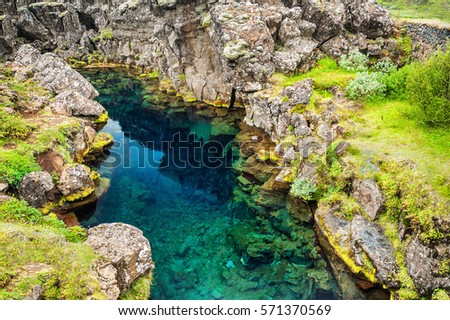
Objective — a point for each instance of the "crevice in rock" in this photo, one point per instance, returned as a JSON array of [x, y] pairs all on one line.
[[26, 35], [232, 98], [87, 21]]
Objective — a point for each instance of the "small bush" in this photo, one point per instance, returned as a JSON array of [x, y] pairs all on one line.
[[385, 66], [355, 61], [12, 126], [367, 86], [305, 189], [428, 85], [395, 83], [14, 165]]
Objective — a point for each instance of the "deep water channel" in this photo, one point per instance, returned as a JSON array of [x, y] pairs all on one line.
[[171, 175]]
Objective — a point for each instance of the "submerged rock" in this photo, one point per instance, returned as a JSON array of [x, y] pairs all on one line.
[[128, 251]]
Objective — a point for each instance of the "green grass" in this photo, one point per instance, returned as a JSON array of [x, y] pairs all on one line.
[[60, 267], [32, 241], [140, 289], [386, 127], [327, 74], [15, 164], [418, 9]]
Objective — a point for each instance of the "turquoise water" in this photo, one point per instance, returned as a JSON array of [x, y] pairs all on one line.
[[171, 176]]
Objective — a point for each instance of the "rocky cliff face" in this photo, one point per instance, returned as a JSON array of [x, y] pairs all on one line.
[[216, 50]]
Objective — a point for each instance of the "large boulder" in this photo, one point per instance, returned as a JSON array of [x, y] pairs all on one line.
[[368, 237], [126, 248], [72, 103], [75, 181], [423, 266], [370, 19], [368, 195], [53, 73], [360, 244], [35, 188]]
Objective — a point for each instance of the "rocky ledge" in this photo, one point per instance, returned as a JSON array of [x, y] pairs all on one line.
[[54, 131]]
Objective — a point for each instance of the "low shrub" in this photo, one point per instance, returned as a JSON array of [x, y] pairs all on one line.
[[428, 85], [305, 189], [355, 61], [367, 86], [12, 126], [385, 66]]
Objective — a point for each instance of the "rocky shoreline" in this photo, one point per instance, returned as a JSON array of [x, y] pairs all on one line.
[[226, 54], [67, 112]]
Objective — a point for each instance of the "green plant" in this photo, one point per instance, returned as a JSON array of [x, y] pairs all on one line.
[[20, 211], [354, 61], [366, 86], [385, 66], [15, 164], [106, 34], [305, 189], [395, 83], [428, 85], [12, 126]]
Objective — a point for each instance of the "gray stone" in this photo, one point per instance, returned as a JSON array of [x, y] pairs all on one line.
[[37, 293], [72, 103], [53, 73], [75, 179], [368, 237], [369, 196], [26, 55], [3, 187], [35, 188], [300, 92], [126, 248], [423, 265]]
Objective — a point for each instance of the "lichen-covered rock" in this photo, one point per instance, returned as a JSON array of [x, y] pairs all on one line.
[[369, 196], [35, 188], [106, 274], [75, 182], [72, 103], [368, 237], [370, 19], [300, 92], [126, 248], [360, 244], [53, 73], [423, 266], [27, 55]]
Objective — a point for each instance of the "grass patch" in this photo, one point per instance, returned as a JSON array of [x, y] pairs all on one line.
[[16, 211], [385, 126], [36, 255], [418, 9], [140, 289], [327, 74], [15, 164]]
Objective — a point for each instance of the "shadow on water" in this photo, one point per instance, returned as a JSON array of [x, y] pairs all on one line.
[[170, 175]]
